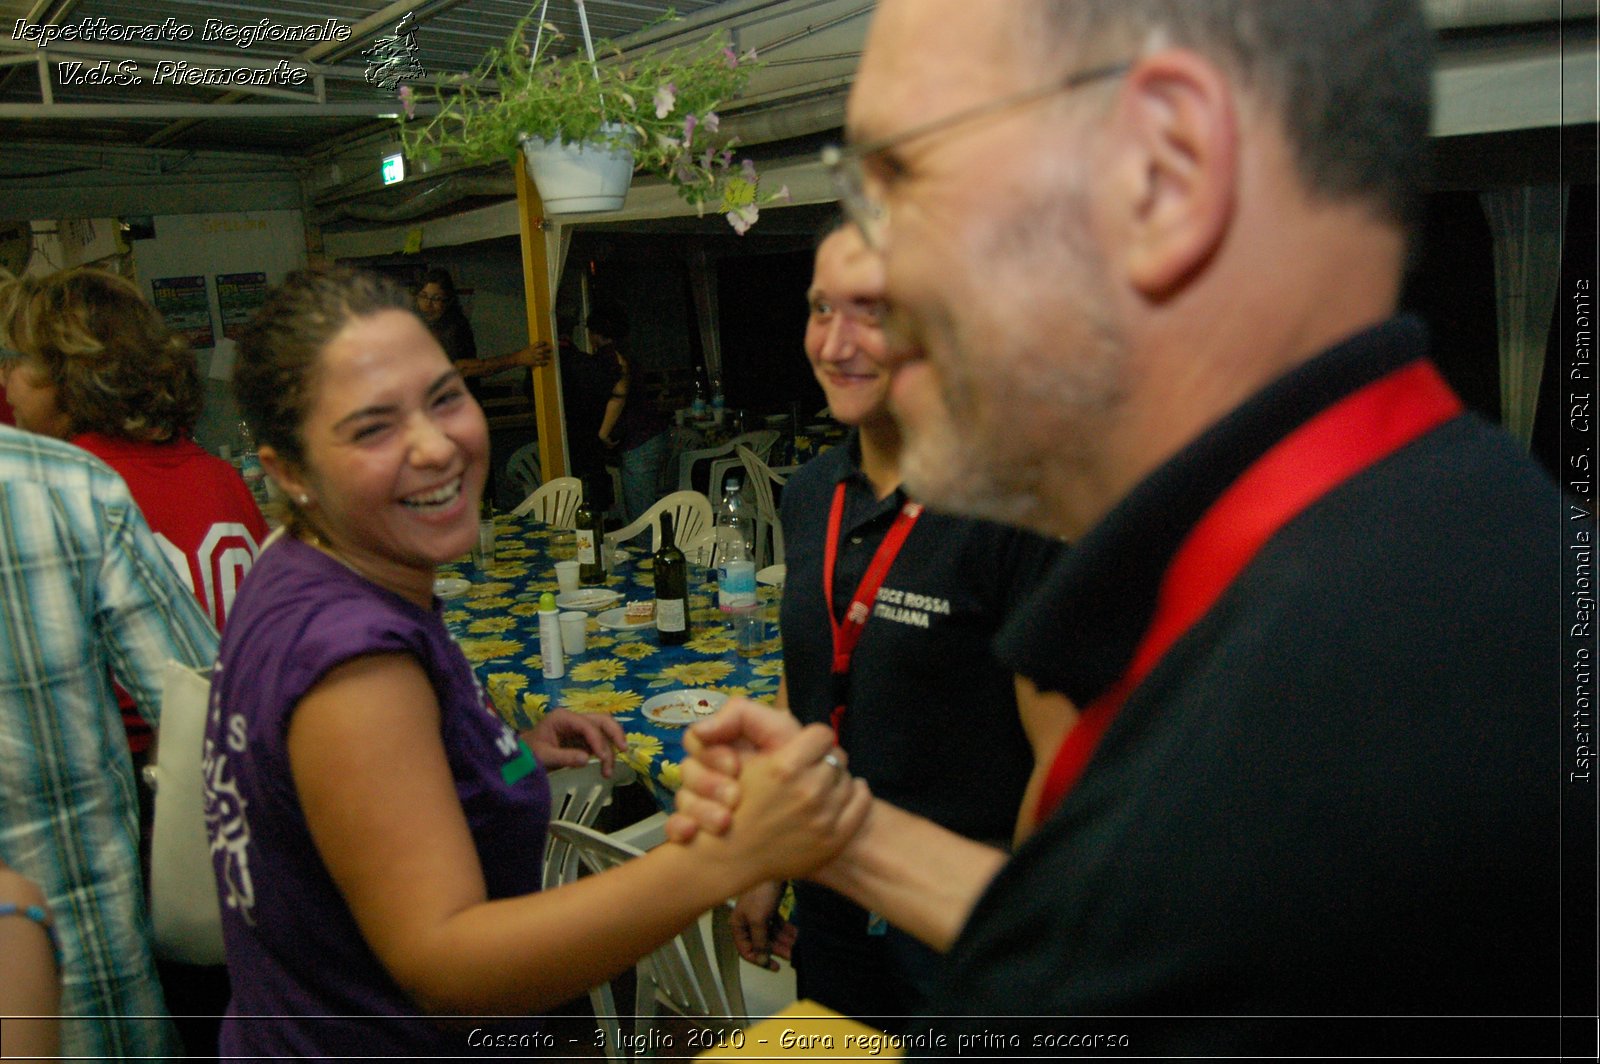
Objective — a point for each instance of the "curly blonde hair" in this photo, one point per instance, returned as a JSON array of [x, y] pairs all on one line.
[[116, 367]]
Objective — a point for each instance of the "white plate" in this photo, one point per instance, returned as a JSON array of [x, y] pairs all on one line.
[[449, 587], [682, 707], [772, 574], [617, 620], [587, 598]]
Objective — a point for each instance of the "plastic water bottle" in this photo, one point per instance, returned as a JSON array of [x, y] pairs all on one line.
[[697, 410], [248, 462], [736, 567], [717, 406]]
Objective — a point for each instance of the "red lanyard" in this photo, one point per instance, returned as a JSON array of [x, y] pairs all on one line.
[[847, 633], [1358, 431]]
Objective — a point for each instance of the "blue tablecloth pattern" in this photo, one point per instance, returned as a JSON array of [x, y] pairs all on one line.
[[496, 622]]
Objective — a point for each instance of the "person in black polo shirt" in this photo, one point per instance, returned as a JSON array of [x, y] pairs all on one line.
[[1143, 262], [922, 689]]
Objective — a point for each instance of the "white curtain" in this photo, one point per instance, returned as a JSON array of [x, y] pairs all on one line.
[[1527, 224], [557, 242]]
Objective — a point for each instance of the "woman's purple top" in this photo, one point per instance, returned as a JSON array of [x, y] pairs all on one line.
[[296, 958]]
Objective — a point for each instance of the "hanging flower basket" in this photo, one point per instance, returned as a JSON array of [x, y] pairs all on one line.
[[653, 112], [575, 178]]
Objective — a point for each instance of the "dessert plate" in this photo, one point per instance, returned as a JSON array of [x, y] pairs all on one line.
[[617, 620], [678, 708], [587, 598]]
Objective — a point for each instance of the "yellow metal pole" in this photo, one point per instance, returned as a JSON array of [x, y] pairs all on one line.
[[536, 286]]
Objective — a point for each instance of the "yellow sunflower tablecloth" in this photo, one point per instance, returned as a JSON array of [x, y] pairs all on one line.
[[497, 624]]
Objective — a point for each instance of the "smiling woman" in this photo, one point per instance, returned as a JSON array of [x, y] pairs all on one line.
[[378, 832]]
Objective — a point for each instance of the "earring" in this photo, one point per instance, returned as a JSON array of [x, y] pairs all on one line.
[[303, 499]]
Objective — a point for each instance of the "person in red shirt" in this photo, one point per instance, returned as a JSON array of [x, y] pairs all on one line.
[[99, 368]]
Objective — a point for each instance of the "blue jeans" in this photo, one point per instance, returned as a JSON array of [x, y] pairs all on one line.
[[641, 475]]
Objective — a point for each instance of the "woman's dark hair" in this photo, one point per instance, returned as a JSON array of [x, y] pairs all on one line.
[[279, 351], [116, 368]]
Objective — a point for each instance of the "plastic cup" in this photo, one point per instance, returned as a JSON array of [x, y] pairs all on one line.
[[749, 630], [567, 575], [574, 631], [483, 553]]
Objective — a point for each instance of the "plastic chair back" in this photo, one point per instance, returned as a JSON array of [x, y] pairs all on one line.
[[522, 470], [761, 478], [577, 795], [679, 972], [723, 457], [691, 516], [555, 502]]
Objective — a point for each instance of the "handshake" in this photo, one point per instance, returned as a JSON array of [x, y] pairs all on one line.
[[755, 775]]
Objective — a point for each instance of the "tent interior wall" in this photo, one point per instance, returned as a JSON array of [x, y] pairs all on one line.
[[1515, 134]]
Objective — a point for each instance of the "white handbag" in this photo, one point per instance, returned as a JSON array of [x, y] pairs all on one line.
[[184, 912]]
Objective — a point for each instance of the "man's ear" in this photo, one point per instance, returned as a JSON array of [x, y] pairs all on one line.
[[1179, 125], [282, 472]]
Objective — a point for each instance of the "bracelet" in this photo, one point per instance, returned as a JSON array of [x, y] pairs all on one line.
[[37, 914]]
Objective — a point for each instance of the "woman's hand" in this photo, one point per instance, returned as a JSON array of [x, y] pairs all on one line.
[[718, 748], [797, 807], [564, 739]]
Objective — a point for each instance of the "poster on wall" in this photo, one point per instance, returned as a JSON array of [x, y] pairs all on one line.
[[239, 295], [183, 305]]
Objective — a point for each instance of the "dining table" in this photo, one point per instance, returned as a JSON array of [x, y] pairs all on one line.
[[491, 608]]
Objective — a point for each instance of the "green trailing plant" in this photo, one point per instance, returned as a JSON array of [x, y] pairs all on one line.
[[661, 106]]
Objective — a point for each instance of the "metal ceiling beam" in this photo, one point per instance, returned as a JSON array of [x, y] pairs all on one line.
[[196, 112], [41, 11], [122, 157], [360, 34], [18, 51]]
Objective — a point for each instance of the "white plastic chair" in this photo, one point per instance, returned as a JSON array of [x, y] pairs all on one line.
[[522, 470], [577, 795], [761, 478], [723, 459], [679, 973], [554, 502], [691, 517]]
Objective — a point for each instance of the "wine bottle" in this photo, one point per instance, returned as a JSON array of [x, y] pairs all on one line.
[[672, 588], [591, 563]]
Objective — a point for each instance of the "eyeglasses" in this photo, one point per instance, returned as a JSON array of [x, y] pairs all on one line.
[[868, 312], [423, 297], [870, 212]]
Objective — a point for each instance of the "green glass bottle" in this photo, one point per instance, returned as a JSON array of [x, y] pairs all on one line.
[[591, 560], [672, 588]]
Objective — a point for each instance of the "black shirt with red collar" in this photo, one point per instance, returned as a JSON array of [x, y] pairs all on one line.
[[931, 715], [1335, 800], [931, 722]]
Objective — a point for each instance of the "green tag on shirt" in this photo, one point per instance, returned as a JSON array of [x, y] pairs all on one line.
[[519, 766]]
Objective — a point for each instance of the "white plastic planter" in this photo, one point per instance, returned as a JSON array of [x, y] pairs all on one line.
[[578, 178]]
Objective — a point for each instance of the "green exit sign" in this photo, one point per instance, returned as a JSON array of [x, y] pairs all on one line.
[[394, 169]]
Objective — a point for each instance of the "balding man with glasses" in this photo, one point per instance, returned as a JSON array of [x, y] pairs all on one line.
[[1143, 259]]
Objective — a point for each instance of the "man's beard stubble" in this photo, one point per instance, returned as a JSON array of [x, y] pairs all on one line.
[[1025, 383]]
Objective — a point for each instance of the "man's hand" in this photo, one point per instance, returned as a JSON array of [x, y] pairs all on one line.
[[758, 931], [718, 747], [536, 354], [797, 810], [564, 739]]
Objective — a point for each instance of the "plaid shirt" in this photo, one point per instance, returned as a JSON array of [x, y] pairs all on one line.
[[84, 592]]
